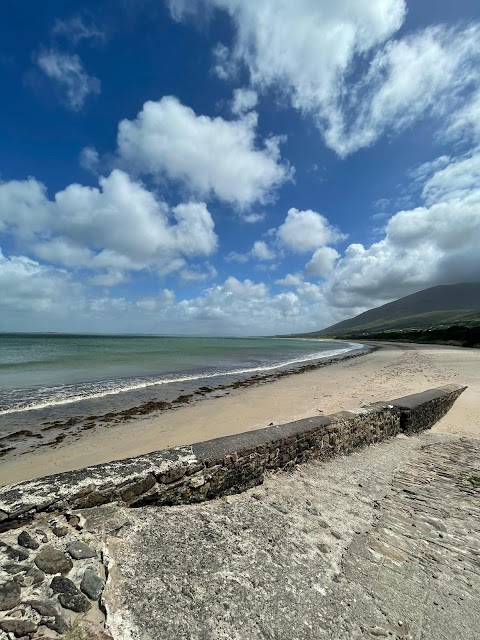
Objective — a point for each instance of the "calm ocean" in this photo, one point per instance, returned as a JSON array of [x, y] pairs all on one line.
[[46, 370]]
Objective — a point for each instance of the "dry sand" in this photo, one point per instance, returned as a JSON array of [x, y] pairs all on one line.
[[390, 372]]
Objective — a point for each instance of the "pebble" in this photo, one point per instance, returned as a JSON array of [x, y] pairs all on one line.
[[58, 624], [51, 560], [74, 601], [10, 595], [79, 550], [18, 627], [26, 540], [73, 521], [323, 548], [92, 584], [45, 609], [14, 554], [37, 576], [59, 531], [13, 568], [60, 584]]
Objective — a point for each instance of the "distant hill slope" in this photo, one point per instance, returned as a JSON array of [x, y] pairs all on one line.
[[454, 304]]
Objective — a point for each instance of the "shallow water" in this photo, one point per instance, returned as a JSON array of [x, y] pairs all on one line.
[[38, 371]]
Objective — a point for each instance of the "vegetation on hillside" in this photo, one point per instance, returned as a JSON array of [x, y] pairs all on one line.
[[456, 335]]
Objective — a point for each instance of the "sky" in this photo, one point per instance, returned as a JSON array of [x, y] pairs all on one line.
[[233, 167]]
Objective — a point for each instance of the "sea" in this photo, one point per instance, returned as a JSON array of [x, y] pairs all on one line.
[[49, 377]]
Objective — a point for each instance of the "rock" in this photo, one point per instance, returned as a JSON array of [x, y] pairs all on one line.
[[60, 531], [51, 560], [73, 521], [92, 584], [323, 547], [74, 601], [45, 609], [14, 554], [26, 540], [18, 627], [37, 576], [10, 595], [60, 584], [13, 568], [58, 624], [42, 535], [79, 550]]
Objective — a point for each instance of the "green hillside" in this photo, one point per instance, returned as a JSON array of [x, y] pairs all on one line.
[[435, 308]]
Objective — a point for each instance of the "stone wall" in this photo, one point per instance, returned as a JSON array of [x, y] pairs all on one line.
[[225, 465]]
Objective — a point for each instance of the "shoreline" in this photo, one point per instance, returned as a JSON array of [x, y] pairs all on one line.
[[19, 440], [390, 371]]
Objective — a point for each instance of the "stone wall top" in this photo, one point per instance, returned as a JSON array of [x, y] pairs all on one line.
[[228, 464]]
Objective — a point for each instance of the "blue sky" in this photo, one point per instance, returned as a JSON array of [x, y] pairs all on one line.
[[234, 167]]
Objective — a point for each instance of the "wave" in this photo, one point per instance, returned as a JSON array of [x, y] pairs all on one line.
[[16, 400]]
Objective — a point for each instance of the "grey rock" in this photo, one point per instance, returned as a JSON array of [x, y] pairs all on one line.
[[60, 531], [14, 554], [37, 575], [44, 608], [73, 521], [92, 584], [10, 595], [60, 584], [51, 560], [323, 547], [26, 540], [58, 624], [18, 627], [14, 567], [74, 601], [79, 550]]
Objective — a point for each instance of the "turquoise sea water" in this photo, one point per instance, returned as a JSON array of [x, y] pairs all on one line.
[[45, 370]]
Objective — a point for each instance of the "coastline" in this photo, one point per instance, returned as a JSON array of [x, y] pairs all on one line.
[[50, 426], [390, 371]]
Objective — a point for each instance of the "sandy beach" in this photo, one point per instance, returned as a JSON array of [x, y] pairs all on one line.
[[391, 371]]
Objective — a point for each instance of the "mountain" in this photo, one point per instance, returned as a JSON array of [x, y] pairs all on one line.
[[453, 304]]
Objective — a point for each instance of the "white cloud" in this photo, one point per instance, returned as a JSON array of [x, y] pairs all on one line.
[[68, 76], [424, 73], [307, 230], [261, 251], [243, 100], [118, 227], [291, 280], [452, 179], [89, 159], [208, 156], [27, 286], [338, 62], [253, 218], [322, 262], [434, 244], [78, 28]]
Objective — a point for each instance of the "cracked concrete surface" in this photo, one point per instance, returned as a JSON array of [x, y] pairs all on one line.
[[382, 543]]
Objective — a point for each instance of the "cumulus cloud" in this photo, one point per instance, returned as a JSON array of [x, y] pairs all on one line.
[[340, 63], [305, 231], [433, 244], [117, 227], [243, 100], [27, 286], [322, 262], [68, 77], [208, 156]]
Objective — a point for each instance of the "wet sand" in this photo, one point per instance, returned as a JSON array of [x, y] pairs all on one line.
[[393, 370]]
